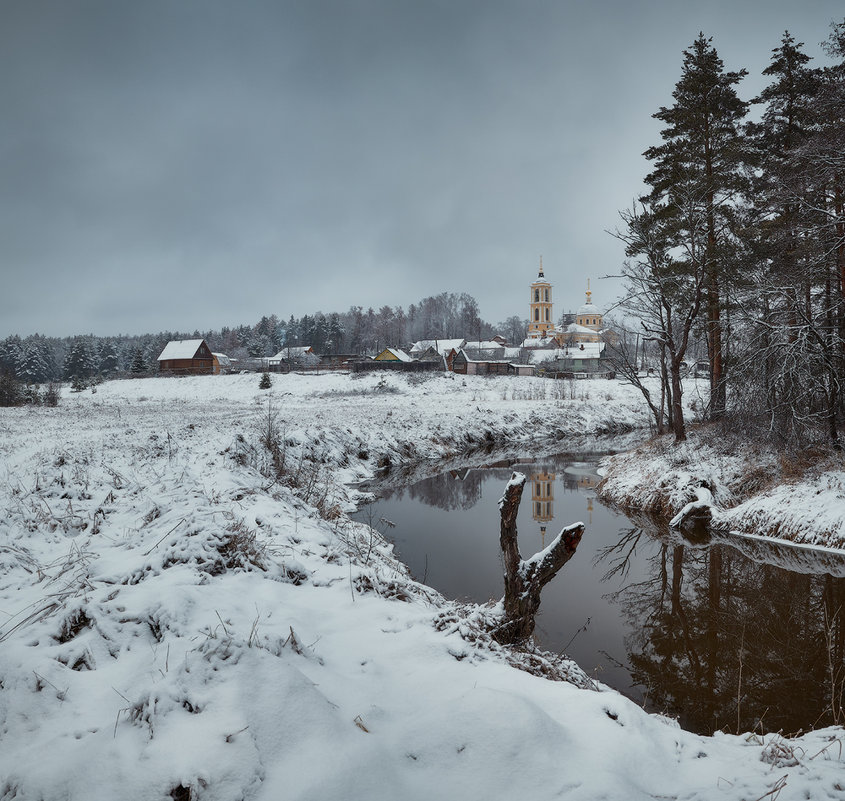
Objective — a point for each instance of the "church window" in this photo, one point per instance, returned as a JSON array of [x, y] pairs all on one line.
[[536, 314], [547, 296], [547, 315], [536, 295]]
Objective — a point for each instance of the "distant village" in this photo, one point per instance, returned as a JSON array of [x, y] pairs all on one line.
[[572, 347]]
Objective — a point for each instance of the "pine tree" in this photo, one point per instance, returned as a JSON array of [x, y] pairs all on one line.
[[9, 354], [777, 375], [108, 359], [697, 175], [336, 333], [138, 364], [80, 360], [30, 367], [10, 390]]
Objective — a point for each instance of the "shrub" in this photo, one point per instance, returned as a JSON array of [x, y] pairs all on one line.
[[52, 394], [266, 382], [10, 390]]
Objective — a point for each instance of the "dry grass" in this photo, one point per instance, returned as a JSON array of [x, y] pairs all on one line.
[[796, 465]]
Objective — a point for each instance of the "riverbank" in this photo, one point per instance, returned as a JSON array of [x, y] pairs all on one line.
[[186, 611], [755, 490]]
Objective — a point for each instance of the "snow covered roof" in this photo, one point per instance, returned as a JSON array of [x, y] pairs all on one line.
[[222, 359], [180, 349], [538, 342], [589, 308], [442, 346], [398, 354], [484, 344], [292, 353], [482, 356], [574, 328], [590, 350]]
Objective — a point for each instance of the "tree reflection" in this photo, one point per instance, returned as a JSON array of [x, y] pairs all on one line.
[[456, 489], [728, 643]]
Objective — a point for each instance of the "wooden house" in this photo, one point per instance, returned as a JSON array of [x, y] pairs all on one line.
[[443, 360], [469, 364], [298, 356], [338, 361], [222, 363], [186, 357], [393, 355], [517, 368]]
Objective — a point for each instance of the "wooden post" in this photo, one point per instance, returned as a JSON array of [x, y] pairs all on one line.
[[525, 579]]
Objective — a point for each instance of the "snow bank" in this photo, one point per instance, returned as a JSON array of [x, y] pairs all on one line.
[[748, 488], [185, 613]]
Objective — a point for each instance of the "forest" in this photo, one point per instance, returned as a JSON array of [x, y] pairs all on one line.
[[739, 242], [38, 359]]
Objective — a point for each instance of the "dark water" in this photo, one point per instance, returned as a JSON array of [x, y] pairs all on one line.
[[732, 635]]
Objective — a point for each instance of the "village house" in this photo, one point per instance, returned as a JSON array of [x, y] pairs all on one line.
[[431, 349], [393, 355], [468, 362], [222, 363], [286, 358], [585, 358], [186, 357]]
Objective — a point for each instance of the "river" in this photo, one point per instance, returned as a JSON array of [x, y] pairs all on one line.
[[732, 635]]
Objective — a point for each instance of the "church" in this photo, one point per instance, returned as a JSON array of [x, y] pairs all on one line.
[[586, 329]]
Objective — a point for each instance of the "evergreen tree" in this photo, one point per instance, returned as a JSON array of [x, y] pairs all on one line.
[[108, 358], [697, 175], [10, 390], [138, 364], [9, 354], [336, 334], [778, 374], [80, 360]]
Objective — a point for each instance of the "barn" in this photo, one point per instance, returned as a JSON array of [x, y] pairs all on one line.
[[186, 357]]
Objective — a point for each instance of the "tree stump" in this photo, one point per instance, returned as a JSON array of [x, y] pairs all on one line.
[[525, 579]]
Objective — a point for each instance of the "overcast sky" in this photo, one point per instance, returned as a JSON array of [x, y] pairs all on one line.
[[189, 165]]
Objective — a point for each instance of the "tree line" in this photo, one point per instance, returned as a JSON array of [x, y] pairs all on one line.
[[739, 242], [39, 359]]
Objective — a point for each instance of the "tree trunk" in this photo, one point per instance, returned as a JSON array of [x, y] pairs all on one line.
[[525, 579], [678, 427]]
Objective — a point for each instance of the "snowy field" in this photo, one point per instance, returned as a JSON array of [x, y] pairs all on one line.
[[187, 613]]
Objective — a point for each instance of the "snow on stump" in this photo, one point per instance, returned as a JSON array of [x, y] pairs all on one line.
[[696, 513], [525, 579]]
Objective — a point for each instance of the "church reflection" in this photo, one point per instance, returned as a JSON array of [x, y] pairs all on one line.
[[542, 501]]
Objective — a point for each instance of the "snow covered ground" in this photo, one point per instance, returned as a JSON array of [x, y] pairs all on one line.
[[187, 613], [754, 491]]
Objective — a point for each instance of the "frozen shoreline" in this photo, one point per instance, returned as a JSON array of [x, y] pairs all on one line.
[[754, 491], [174, 621]]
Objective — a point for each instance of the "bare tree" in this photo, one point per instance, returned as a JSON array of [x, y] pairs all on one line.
[[665, 294]]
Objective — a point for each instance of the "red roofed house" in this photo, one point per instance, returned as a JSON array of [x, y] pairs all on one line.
[[186, 357]]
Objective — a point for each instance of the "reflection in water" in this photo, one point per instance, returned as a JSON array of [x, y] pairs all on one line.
[[457, 489], [733, 635], [732, 644], [542, 501]]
